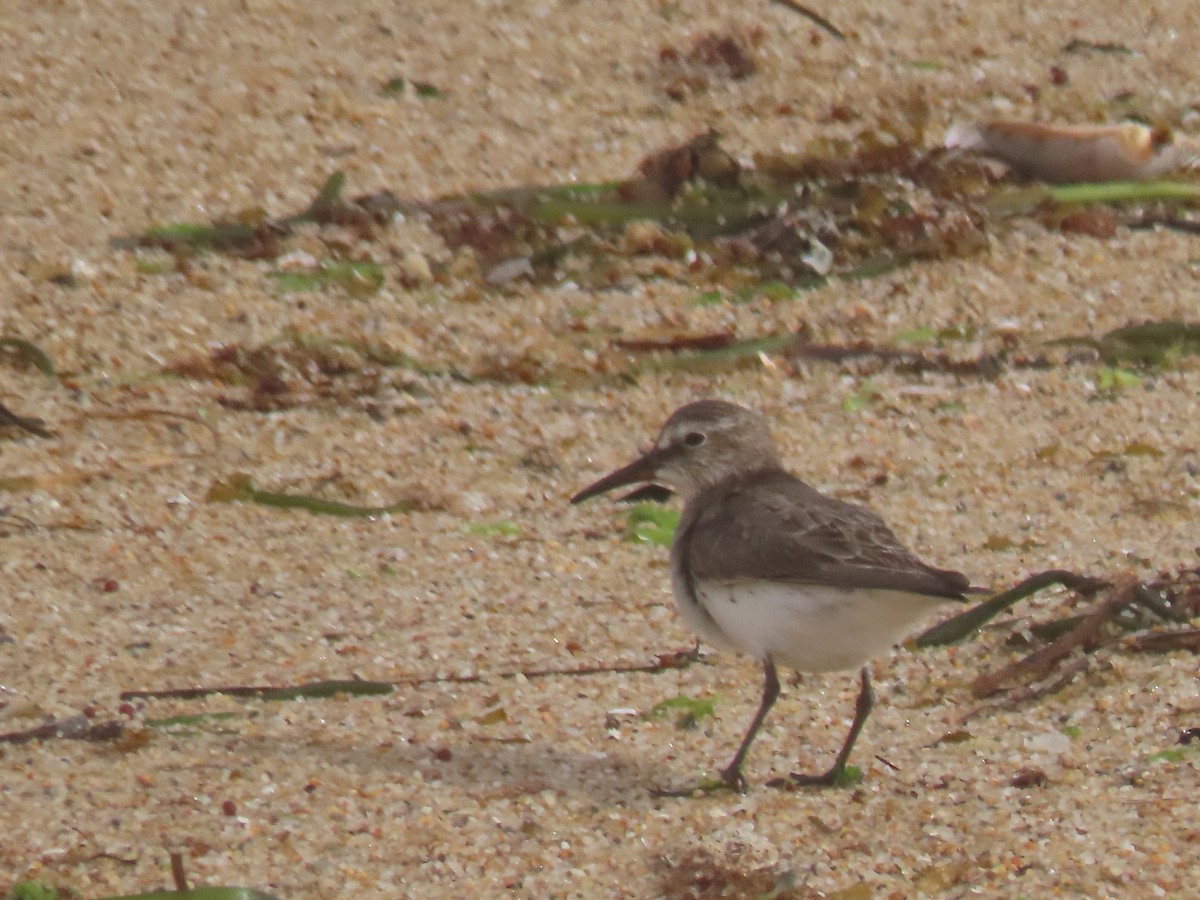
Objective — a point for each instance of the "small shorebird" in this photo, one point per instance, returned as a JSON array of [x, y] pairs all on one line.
[[765, 564]]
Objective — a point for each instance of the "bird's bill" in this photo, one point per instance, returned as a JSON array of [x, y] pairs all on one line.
[[641, 470]]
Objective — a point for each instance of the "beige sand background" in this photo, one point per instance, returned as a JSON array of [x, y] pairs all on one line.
[[118, 115]]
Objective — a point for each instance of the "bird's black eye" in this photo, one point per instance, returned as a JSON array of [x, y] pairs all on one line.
[[694, 438]]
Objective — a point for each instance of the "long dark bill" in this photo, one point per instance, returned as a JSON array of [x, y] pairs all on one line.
[[640, 470]]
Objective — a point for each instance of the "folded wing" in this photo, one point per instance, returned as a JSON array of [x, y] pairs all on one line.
[[787, 531]]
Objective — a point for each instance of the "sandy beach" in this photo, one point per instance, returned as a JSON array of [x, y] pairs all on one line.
[[528, 641]]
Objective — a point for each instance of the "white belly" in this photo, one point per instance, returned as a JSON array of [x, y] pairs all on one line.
[[813, 628]]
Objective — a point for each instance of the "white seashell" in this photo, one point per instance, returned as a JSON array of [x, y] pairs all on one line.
[[1077, 153], [510, 270], [819, 258], [1053, 742], [297, 261]]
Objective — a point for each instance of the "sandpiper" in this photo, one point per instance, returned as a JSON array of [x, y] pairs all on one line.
[[764, 564]]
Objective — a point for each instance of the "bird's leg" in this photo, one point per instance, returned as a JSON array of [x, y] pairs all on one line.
[[731, 775], [862, 709]]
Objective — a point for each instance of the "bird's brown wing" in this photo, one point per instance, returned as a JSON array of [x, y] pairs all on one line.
[[771, 525]]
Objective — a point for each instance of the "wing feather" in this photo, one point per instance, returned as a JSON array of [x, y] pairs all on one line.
[[772, 525]]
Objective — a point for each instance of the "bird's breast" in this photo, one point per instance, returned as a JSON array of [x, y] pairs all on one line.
[[810, 627]]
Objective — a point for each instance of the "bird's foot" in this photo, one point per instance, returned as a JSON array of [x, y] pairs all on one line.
[[838, 776], [734, 780]]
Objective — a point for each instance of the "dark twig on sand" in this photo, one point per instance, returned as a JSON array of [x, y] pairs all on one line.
[[1087, 635], [815, 17]]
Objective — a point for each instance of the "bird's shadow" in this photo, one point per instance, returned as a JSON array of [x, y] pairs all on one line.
[[469, 764]]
